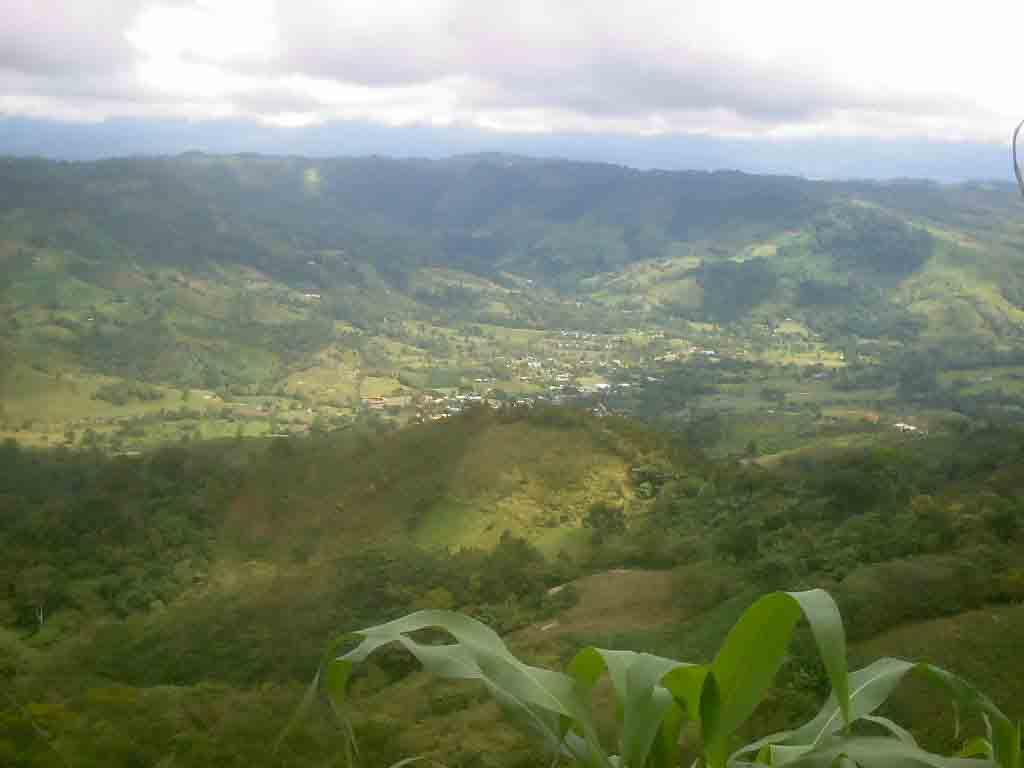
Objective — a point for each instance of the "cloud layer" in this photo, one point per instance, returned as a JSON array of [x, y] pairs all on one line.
[[736, 68]]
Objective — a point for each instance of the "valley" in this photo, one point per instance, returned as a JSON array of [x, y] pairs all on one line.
[[123, 329], [249, 404]]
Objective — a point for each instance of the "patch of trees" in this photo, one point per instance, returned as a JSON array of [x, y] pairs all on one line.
[[818, 293], [124, 392], [92, 536], [868, 238], [821, 517], [732, 289], [864, 316]]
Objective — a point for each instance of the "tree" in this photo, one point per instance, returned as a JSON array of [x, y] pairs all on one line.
[[738, 540], [605, 520], [37, 589]]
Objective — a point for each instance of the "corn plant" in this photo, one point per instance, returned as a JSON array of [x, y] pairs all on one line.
[[656, 696]]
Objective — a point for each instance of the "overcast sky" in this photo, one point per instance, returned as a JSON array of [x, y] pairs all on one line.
[[941, 70]]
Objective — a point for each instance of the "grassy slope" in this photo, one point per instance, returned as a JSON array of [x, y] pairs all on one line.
[[457, 484], [981, 645]]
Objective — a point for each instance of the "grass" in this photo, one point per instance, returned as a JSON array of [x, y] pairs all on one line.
[[56, 399], [983, 645], [536, 483], [373, 386]]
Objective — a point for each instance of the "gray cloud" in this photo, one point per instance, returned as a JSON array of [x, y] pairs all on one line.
[[566, 63], [678, 65], [46, 37]]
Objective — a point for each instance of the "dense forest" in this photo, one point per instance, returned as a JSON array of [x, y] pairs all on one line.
[[140, 573]]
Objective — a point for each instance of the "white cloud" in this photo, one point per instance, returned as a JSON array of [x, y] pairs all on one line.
[[726, 67]]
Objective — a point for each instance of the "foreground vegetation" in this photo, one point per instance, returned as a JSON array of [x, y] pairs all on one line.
[[173, 603], [656, 698]]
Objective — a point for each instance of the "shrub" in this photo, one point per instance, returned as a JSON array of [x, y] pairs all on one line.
[[605, 520]]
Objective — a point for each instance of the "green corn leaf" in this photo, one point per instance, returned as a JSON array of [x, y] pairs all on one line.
[[868, 690], [976, 747], [417, 759], [826, 624], [750, 657], [712, 730], [665, 750], [543, 702], [316, 688], [880, 752], [1005, 736], [871, 686], [686, 683], [655, 695], [780, 754], [646, 709], [755, 649], [895, 729]]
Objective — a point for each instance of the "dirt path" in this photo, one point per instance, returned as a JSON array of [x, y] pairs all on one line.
[[611, 601]]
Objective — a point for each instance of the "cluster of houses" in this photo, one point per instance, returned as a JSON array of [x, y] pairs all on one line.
[[432, 408], [683, 354], [908, 429], [396, 402]]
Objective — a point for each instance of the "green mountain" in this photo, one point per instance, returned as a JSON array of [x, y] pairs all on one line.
[[457, 239], [275, 286]]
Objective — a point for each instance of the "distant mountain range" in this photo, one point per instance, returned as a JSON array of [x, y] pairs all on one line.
[[827, 158], [156, 267]]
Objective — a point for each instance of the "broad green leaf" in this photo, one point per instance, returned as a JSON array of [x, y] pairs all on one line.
[[750, 657], [655, 695], [644, 706], [976, 747], [895, 729], [1005, 736], [781, 754], [537, 699], [686, 683], [826, 624], [665, 750], [416, 759], [711, 721], [880, 752], [871, 686], [756, 647], [648, 704], [868, 690]]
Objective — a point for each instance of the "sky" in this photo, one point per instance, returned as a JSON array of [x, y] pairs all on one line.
[[781, 85]]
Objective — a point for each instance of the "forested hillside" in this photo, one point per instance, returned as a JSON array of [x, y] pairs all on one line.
[[146, 299], [173, 605]]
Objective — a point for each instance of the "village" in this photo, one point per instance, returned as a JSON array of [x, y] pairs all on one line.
[[605, 373]]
